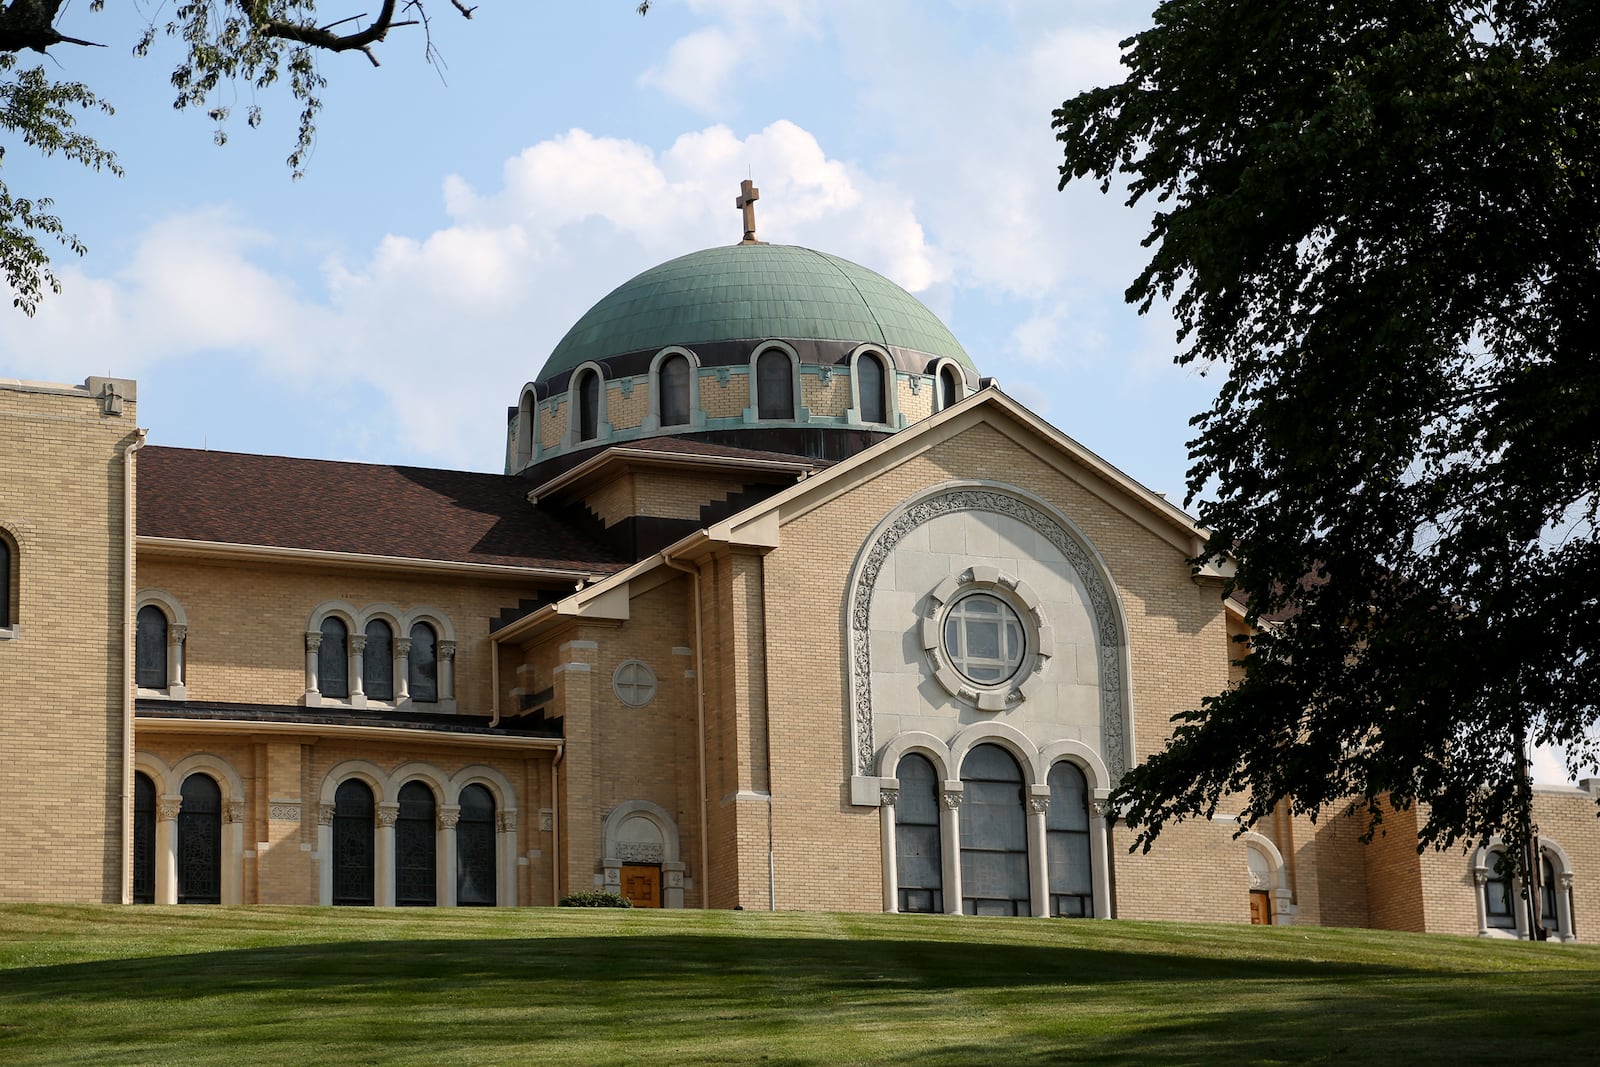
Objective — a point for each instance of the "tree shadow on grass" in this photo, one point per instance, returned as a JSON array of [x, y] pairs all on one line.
[[733, 999]]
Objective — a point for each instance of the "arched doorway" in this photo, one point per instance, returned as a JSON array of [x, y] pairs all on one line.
[[919, 859], [416, 836], [475, 848], [144, 839], [353, 843], [200, 841]]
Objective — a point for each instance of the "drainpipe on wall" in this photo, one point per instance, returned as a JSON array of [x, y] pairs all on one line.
[[555, 824], [129, 596], [700, 720]]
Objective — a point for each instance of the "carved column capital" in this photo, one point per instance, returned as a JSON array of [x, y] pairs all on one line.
[[402, 645], [447, 650], [448, 817], [168, 807], [358, 643], [505, 820], [888, 798], [388, 811], [234, 811], [1480, 878], [952, 799], [324, 814], [1038, 805], [313, 640], [176, 634]]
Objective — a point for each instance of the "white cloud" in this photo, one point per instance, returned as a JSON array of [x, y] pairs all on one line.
[[698, 69]]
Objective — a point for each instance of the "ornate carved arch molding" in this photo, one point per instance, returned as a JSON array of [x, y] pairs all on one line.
[[1110, 631]]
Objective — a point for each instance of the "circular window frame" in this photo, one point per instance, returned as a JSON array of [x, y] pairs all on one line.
[[1038, 638], [646, 670]]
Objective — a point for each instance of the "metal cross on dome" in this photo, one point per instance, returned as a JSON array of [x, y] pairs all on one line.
[[746, 201]]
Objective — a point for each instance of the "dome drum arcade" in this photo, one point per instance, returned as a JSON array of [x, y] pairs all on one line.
[[751, 345]]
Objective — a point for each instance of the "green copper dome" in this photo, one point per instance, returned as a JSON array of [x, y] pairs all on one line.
[[753, 292]]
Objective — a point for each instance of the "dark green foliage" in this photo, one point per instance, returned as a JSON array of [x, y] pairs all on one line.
[[595, 898], [1380, 221]]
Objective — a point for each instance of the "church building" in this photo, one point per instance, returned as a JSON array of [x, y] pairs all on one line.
[[779, 603]]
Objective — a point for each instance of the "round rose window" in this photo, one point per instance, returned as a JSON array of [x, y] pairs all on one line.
[[984, 639]]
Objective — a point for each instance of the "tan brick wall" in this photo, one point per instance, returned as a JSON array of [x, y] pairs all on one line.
[[916, 404], [64, 674], [1394, 883], [552, 423], [728, 400], [831, 400], [627, 411]]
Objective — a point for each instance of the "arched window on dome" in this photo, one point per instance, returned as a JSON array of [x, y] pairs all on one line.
[[588, 391], [871, 392], [672, 379], [949, 386], [775, 385], [527, 417]]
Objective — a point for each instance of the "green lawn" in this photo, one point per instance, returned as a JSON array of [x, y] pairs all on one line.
[[245, 986]]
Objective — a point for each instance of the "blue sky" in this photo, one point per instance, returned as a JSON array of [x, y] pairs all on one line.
[[456, 218]]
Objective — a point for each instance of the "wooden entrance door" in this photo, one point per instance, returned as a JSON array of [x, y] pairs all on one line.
[[642, 886], [1260, 908]]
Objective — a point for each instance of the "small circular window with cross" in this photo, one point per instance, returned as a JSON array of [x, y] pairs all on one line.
[[986, 638], [634, 683]]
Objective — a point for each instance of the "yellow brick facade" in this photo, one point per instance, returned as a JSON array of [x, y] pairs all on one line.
[[707, 730]]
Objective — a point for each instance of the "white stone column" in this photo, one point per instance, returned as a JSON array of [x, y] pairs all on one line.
[[1563, 930], [233, 852], [402, 670], [383, 858], [167, 808], [449, 815], [1100, 855], [325, 854], [1038, 845], [357, 668], [950, 845], [313, 645], [1480, 881], [887, 799], [505, 860], [447, 670], [176, 687]]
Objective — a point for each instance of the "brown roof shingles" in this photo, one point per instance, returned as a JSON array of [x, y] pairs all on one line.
[[371, 509]]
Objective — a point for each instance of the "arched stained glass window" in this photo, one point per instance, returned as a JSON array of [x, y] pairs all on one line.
[[144, 839], [672, 377], [333, 658], [475, 859], [7, 582], [424, 665], [949, 387], [416, 848], [1549, 918], [353, 843], [588, 406], [774, 385], [919, 861], [869, 386], [1067, 843], [377, 661], [1499, 904], [150, 648], [994, 835], [200, 841]]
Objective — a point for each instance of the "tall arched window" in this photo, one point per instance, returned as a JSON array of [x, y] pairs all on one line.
[[949, 387], [353, 843], [424, 669], [672, 378], [144, 839], [774, 385], [1499, 903], [1067, 843], [377, 661], [333, 658], [994, 835], [150, 648], [919, 861], [526, 407], [870, 388], [1549, 916], [588, 406], [200, 841], [7, 582], [415, 848], [475, 866]]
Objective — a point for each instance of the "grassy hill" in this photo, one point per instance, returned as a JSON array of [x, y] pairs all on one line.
[[312, 986]]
